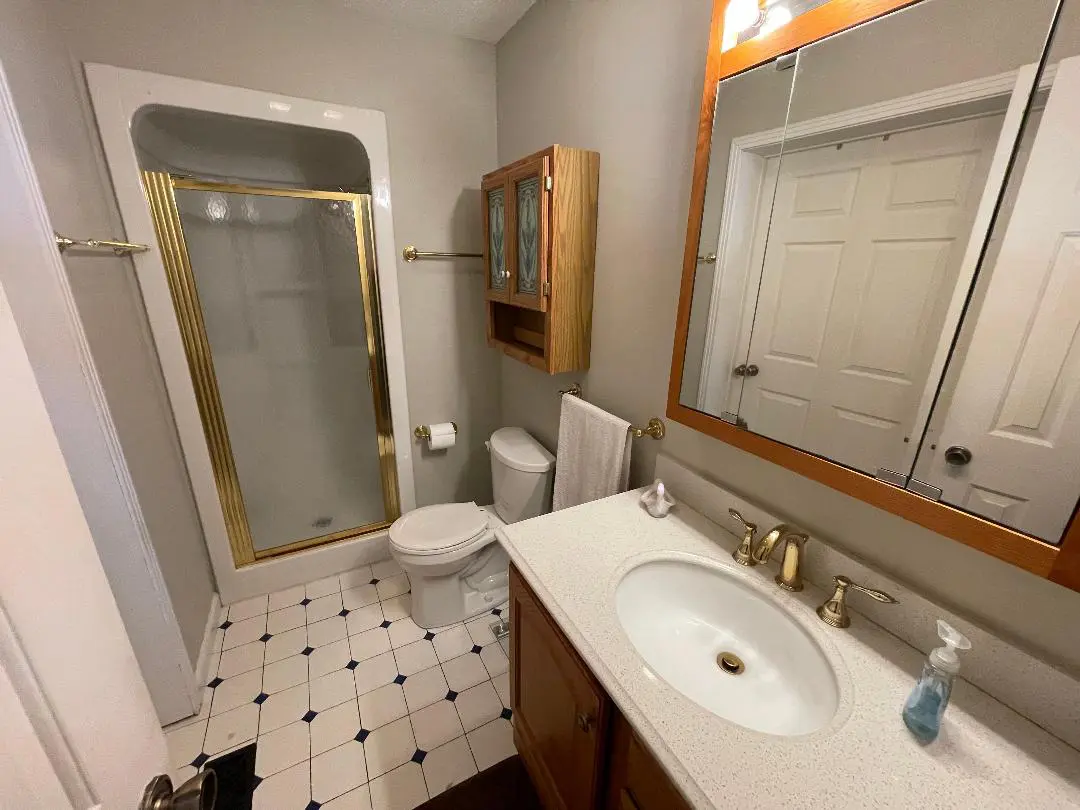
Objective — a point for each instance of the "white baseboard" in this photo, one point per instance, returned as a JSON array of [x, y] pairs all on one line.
[[206, 651]]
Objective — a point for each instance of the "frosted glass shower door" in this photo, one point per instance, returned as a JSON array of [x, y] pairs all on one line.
[[277, 300]]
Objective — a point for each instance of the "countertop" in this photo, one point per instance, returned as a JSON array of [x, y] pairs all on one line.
[[986, 756]]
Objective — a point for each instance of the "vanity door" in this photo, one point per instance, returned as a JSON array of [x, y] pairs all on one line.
[[494, 192], [529, 203]]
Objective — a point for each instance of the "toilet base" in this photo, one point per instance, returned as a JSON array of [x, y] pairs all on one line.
[[475, 586]]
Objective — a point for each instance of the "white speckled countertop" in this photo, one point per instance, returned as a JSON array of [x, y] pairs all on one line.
[[987, 755]]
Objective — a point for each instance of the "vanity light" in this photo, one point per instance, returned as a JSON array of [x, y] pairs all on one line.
[[776, 17], [740, 16]]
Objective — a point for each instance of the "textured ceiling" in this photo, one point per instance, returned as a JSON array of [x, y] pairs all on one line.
[[485, 20]]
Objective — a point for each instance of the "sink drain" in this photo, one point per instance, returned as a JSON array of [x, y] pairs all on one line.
[[730, 663]]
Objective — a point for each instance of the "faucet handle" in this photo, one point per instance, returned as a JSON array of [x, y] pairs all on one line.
[[834, 610], [742, 555]]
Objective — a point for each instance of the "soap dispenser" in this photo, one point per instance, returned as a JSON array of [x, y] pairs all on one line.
[[927, 702]]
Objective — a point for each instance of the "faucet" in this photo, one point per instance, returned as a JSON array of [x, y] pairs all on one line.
[[789, 578], [742, 555]]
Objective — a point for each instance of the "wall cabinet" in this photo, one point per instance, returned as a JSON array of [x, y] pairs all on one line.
[[539, 217], [580, 752]]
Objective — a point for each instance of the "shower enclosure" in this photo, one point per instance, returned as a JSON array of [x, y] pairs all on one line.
[[276, 296]]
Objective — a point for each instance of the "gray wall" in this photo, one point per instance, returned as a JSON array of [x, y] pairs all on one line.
[[625, 78]]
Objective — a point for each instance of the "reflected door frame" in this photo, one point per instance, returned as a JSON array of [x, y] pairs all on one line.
[[160, 192]]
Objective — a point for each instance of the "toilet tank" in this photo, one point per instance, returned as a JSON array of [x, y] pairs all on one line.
[[522, 471]]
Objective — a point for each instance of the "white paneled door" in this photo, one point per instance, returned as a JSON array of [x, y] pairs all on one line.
[[1016, 406], [865, 243]]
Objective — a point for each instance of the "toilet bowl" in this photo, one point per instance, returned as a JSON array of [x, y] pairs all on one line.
[[456, 567]]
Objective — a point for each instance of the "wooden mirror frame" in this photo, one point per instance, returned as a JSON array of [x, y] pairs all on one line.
[[1060, 563]]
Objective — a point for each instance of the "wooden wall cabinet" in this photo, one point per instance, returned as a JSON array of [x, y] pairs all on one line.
[[539, 217], [580, 752]]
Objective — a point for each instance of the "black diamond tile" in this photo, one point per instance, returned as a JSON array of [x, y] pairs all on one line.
[[384, 624], [305, 601], [214, 684], [265, 637], [256, 780], [428, 636], [225, 625], [362, 735], [313, 805], [199, 761], [496, 612], [352, 665], [400, 679], [374, 582], [451, 695], [506, 714], [307, 651], [309, 716], [260, 698], [476, 648], [418, 756], [344, 612]]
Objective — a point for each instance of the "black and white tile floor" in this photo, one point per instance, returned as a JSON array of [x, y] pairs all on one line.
[[352, 705]]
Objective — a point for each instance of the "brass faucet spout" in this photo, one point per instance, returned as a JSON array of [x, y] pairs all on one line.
[[790, 578]]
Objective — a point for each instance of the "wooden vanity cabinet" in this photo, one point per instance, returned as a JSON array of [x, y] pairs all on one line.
[[539, 217], [580, 752]]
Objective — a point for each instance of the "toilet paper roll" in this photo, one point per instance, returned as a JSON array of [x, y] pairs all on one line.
[[443, 435]]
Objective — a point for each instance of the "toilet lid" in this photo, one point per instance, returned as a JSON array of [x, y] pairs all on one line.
[[444, 526]]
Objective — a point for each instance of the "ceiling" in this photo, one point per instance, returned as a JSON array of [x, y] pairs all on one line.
[[485, 20]]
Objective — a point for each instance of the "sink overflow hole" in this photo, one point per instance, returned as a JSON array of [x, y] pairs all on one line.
[[730, 663]]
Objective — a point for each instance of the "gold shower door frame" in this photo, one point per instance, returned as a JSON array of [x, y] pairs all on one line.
[[160, 194]]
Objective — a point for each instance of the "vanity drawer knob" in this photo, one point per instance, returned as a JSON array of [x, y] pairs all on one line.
[[585, 722]]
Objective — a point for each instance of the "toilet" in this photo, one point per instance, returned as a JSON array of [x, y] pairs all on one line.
[[456, 567]]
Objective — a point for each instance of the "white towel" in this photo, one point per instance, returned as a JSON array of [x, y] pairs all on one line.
[[594, 454]]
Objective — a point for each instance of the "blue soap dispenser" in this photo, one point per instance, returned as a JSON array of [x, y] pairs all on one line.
[[927, 701]]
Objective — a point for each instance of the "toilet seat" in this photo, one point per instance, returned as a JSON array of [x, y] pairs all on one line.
[[441, 530]]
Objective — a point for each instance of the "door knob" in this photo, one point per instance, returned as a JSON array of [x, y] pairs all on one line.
[[197, 793], [744, 370], [957, 455]]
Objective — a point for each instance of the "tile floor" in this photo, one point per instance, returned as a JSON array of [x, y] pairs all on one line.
[[353, 706]]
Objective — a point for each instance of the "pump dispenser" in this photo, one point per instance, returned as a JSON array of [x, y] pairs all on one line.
[[927, 702]]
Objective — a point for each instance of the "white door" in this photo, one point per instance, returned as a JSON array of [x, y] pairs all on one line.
[[1016, 405], [865, 243], [77, 726]]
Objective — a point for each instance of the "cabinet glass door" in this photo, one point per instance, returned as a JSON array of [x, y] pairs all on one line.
[[529, 226], [497, 283]]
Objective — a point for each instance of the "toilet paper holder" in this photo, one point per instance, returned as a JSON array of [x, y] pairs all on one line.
[[423, 432]]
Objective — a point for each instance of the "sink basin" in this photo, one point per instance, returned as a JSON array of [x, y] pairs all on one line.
[[727, 647]]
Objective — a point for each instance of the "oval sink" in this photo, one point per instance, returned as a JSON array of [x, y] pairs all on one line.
[[726, 647]]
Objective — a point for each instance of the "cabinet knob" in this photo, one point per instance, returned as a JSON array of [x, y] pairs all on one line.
[[585, 722]]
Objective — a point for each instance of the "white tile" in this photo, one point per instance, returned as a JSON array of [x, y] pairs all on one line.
[[185, 743], [356, 578], [359, 799], [375, 672], [283, 708], [494, 659], [278, 621], [286, 644], [369, 643], [448, 765], [337, 771], [323, 587], [413, 658], [334, 726], [219, 638], [424, 688], [182, 774], [244, 632], [236, 691], [326, 631], [364, 618], [323, 608], [492, 743], [231, 728], [329, 658], [282, 748], [285, 673], [382, 706], [401, 789], [286, 598], [464, 671], [394, 586], [397, 608], [359, 596], [480, 629], [505, 644], [288, 790], [436, 724], [502, 686], [241, 659], [247, 608], [332, 689], [405, 631], [452, 642], [388, 747], [478, 705], [384, 569]]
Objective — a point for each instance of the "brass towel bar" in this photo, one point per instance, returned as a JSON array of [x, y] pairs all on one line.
[[117, 247], [411, 254], [654, 429]]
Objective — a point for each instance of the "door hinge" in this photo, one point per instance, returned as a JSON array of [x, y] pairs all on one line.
[[924, 489], [890, 477], [548, 183], [547, 288], [733, 419]]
